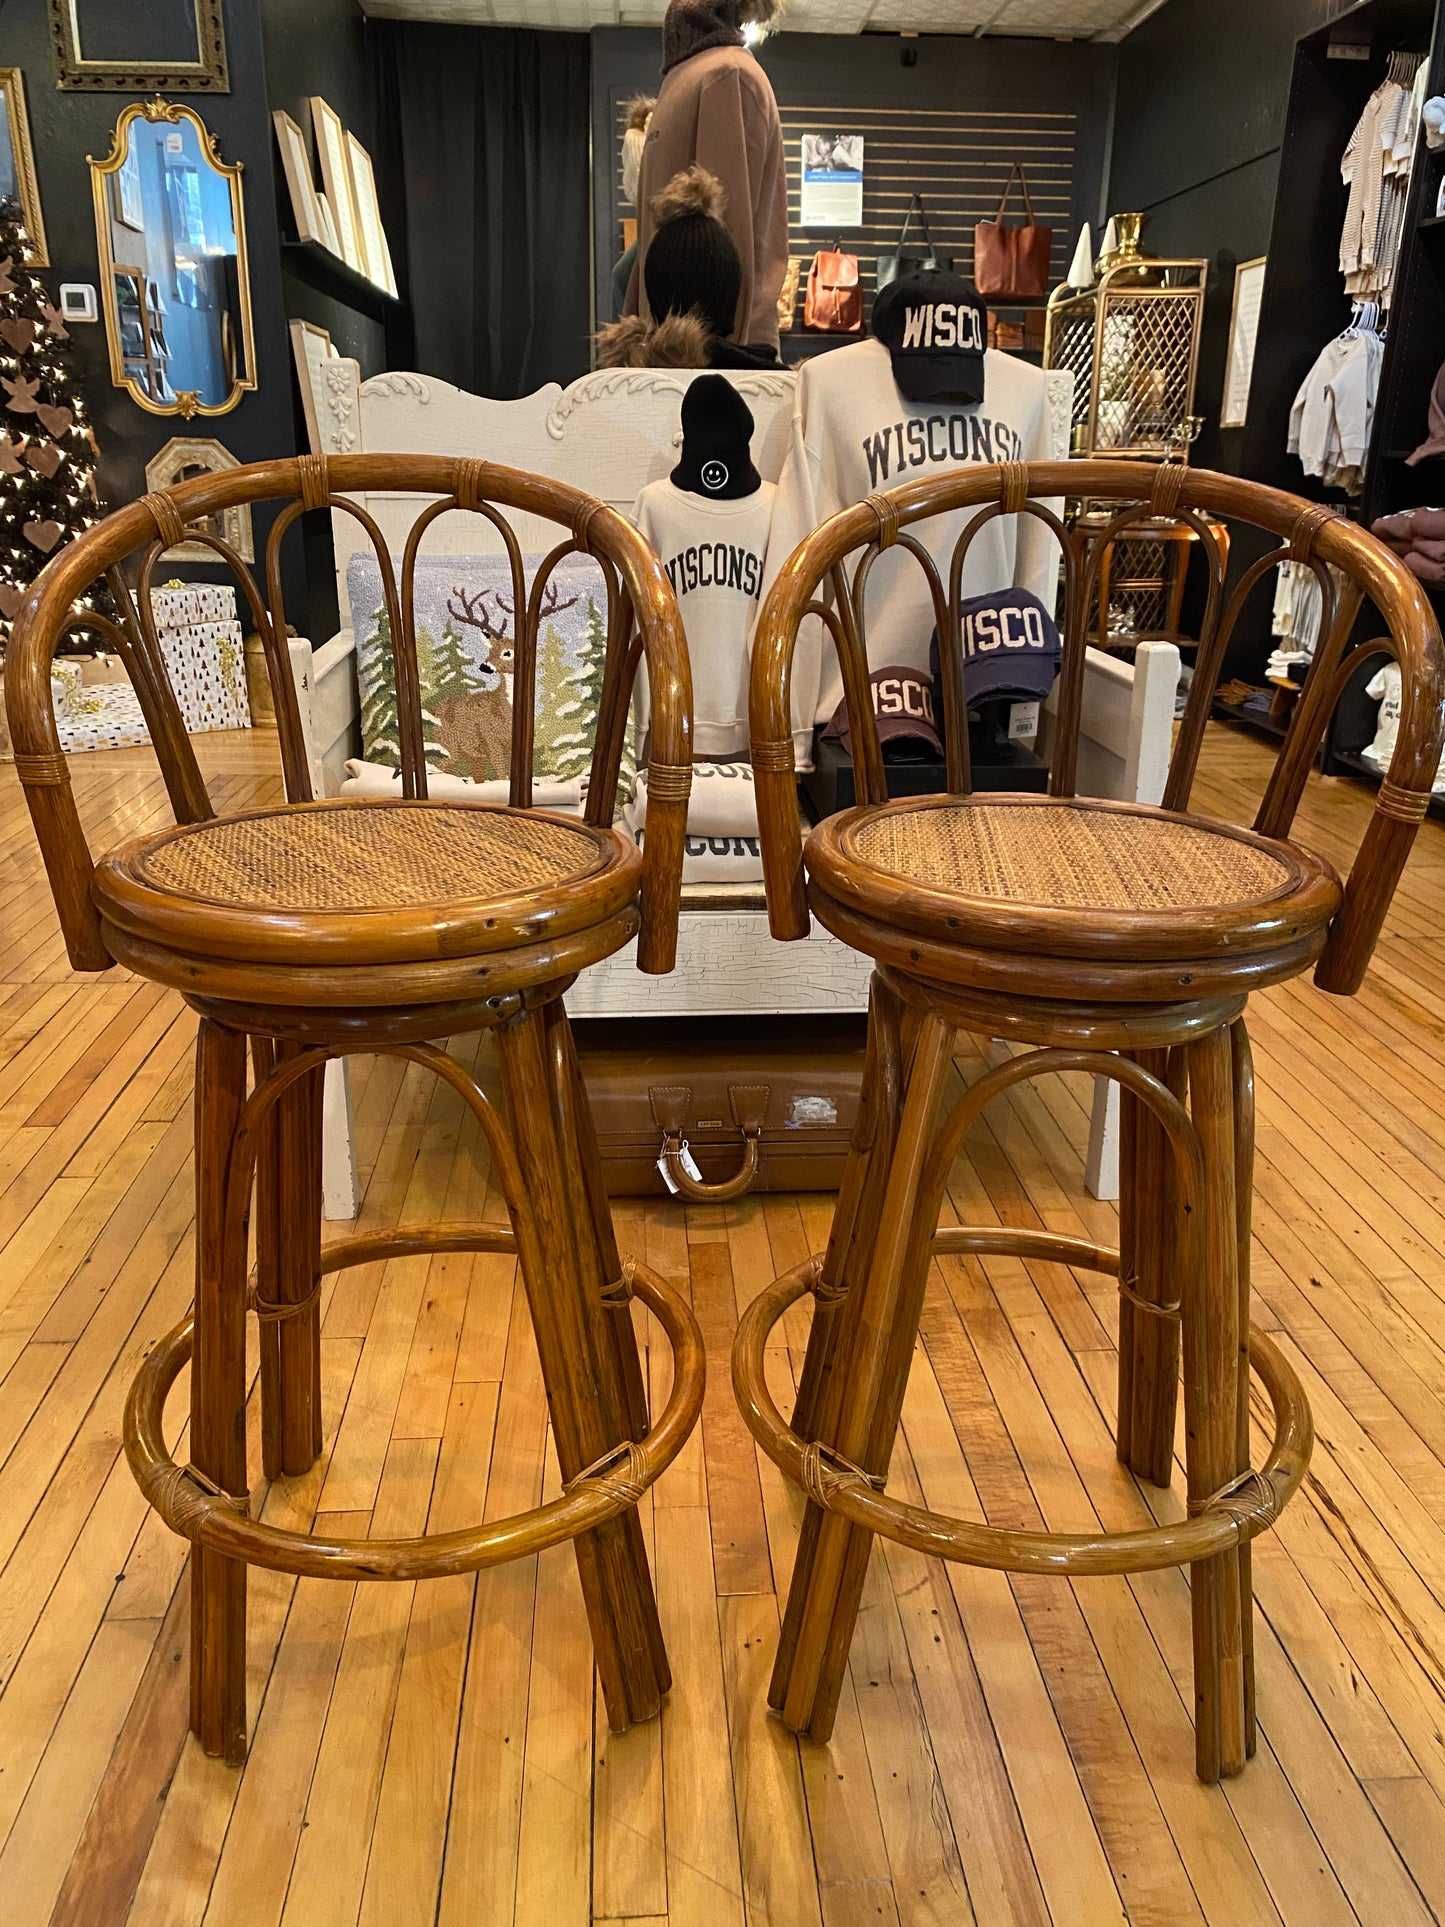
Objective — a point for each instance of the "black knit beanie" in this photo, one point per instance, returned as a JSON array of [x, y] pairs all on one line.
[[691, 263], [717, 433]]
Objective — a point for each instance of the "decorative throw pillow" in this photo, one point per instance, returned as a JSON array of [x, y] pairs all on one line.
[[384, 779], [466, 628]]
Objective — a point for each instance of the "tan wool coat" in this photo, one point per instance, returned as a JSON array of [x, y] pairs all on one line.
[[717, 108]]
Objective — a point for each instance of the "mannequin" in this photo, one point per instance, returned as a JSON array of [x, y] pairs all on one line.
[[716, 108], [708, 521]]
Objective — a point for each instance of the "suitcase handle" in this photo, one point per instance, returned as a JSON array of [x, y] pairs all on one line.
[[670, 1105]]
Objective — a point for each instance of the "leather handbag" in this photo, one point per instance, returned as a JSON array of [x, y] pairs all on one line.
[[1012, 263], [833, 304], [890, 266], [788, 294], [725, 1114]]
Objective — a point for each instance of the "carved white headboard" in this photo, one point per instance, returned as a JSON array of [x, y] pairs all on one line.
[[608, 434]]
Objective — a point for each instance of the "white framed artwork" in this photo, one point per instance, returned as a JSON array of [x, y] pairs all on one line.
[[336, 173], [1243, 328], [368, 215], [296, 165], [312, 348]]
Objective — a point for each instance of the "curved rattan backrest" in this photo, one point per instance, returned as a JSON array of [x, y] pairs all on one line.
[[642, 620], [1307, 533]]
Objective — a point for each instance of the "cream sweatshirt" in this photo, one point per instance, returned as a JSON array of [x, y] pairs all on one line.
[[854, 435]]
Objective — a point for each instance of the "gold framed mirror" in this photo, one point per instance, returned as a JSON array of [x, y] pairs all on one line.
[[171, 231]]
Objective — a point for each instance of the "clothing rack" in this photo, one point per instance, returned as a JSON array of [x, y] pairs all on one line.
[[1403, 67]]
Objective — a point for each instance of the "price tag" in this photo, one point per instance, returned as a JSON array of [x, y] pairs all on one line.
[[689, 1164], [1023, 720]]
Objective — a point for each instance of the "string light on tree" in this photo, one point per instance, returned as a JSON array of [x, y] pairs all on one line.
[[48, 450]]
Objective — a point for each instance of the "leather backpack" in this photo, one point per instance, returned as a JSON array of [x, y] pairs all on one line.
[[834, 301]]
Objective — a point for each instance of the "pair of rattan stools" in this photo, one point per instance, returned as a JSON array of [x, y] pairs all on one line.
[[1116, 940]]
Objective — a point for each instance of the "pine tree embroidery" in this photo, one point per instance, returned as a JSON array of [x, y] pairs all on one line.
[[380, 724], [573, 701], [47, 450]]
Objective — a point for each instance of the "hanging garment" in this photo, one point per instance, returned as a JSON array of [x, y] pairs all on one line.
[[1376, 168], [855, 435], [714, 553], [1330, 422]]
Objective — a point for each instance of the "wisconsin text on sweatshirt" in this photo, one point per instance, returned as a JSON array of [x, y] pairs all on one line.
[[716, 565], [939, 438]]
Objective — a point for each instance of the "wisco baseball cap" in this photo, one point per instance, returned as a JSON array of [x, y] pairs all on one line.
[[1010, 646], [935, 328], [902, 706]]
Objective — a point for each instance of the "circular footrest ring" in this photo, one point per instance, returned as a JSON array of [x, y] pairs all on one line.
[[602, 1491], [1237, 1513]]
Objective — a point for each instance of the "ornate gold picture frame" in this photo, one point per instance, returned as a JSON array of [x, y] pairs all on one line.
[[17, 157], [197, 68]]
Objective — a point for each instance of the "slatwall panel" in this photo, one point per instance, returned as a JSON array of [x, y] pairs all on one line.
[[956, 158]]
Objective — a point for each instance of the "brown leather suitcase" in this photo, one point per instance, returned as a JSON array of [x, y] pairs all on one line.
[[761, 1103]]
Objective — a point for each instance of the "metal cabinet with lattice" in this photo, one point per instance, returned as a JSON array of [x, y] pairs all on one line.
[[1131, 343]]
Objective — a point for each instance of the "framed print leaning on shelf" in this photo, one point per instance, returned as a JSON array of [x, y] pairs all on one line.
[[336, 173], [312, 348], [296, 164], [17, 162], [371, 233]]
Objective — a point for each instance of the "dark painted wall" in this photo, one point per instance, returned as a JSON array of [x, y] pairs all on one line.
[[322, 47], [866, 70], [1203, 86], [64, 129]]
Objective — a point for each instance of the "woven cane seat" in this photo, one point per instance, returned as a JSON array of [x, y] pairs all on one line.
[[1070, 877], [366, 880]]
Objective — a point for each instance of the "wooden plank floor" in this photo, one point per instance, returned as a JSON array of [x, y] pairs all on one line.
[[1006, 1753]]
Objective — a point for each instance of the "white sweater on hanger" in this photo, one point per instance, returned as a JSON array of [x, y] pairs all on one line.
[[853, 436], [1329, 424]]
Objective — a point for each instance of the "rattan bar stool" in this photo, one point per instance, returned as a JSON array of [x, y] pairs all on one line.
[[312, 929], [1115, 940]]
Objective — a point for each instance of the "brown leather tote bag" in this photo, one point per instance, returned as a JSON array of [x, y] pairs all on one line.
[[834, 300], [1012, 263]]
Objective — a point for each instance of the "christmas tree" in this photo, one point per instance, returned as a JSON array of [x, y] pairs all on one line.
[[47, 449]]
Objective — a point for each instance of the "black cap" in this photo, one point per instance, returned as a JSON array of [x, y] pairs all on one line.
[[717, 432], [935, 327]]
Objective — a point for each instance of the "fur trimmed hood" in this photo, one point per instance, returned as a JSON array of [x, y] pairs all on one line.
[[677, 341]]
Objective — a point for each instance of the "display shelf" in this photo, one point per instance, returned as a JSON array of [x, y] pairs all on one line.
[[1350, 762], [327, 273], [1252, 718]]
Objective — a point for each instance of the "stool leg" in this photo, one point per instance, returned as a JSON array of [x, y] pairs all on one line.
[[1211, 1412], [288, 1268], [1148, 1341], [598, 1241], [845, 1268], [874, 1377], [579, 1370], [1243, 1068], [218, 1399]]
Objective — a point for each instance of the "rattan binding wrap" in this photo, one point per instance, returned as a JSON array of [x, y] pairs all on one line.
[[371, 857], [1406, 806], [1070, 857]]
